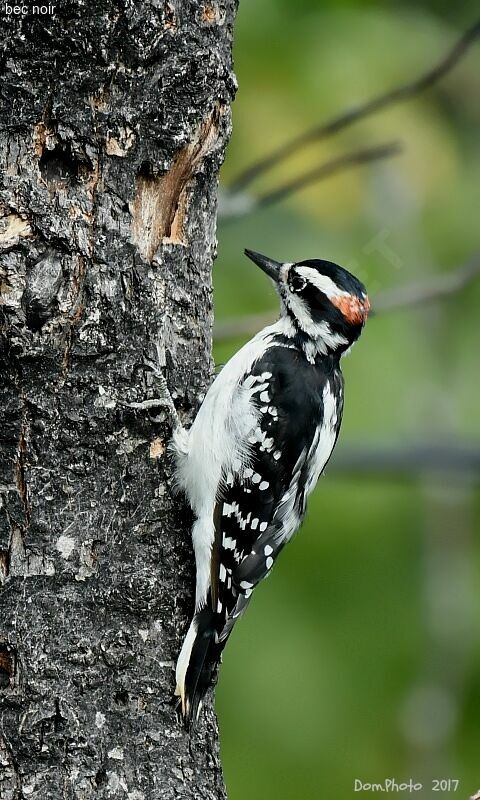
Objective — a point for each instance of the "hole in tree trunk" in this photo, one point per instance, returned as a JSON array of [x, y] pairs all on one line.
[[7, 665], [59, 164]]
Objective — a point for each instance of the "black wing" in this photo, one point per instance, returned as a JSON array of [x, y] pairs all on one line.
[[263, 504]]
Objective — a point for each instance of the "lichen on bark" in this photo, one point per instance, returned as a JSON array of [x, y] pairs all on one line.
[[113, 126]]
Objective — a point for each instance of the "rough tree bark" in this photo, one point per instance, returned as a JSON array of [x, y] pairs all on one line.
[[113, 125]]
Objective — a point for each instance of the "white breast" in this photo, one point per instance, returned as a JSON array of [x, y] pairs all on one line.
[[324, 439]]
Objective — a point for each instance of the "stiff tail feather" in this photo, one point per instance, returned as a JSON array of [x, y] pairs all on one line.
[[196, 664]]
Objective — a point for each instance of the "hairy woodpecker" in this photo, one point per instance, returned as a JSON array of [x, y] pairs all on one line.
[[258, 445]]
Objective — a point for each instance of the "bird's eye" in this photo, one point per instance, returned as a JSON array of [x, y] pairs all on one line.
[[296, 283]]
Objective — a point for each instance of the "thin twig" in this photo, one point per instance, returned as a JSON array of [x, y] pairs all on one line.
[[437, 288], [329, 168], [246, 325], [239, 204], [357, 113]]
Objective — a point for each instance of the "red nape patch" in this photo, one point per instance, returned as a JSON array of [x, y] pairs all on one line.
[[353, 309]]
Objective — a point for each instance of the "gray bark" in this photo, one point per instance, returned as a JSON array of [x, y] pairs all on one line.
[[113, 125]]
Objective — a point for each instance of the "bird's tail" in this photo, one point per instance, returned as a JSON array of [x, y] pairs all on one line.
[[197, 663]]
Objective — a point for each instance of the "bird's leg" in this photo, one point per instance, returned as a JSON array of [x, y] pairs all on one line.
[[164, 399]]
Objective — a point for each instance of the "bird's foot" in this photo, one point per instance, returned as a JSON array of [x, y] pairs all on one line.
[[163, 400]]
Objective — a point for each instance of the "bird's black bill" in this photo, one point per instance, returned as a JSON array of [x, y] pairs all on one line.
[[271, 267]]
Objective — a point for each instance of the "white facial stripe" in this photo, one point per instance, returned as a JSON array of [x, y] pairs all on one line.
[[333, 340], [322, 282], [300, 312]]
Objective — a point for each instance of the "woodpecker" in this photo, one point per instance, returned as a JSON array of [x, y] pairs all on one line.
[[259, 443]]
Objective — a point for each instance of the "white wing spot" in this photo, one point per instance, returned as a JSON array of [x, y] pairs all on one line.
[[269, 562], [260, 388], [257, 436], [264, 397], [268, 550], [264, 485], [229, 543], [263, 526], [256, 478], [254, 524]]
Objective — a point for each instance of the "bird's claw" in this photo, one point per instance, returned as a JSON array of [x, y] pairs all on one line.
[[164, 399]]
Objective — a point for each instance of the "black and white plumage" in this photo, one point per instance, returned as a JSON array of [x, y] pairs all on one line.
[[256, 449]]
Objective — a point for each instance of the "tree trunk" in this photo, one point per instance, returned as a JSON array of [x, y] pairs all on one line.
[[114, 122]]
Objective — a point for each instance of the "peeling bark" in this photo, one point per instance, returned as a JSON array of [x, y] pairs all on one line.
[[113, 126]]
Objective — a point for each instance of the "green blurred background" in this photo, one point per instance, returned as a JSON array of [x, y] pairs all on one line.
[[359, 657]]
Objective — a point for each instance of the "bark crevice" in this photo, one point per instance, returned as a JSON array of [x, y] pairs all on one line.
[[160, 201]]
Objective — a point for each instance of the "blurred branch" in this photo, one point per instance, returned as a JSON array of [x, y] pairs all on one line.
[[396, 459], [439, 287], [238, 204], [346, 118], [246, 325]]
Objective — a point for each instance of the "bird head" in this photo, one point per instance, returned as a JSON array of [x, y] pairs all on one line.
[[323, 301]]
